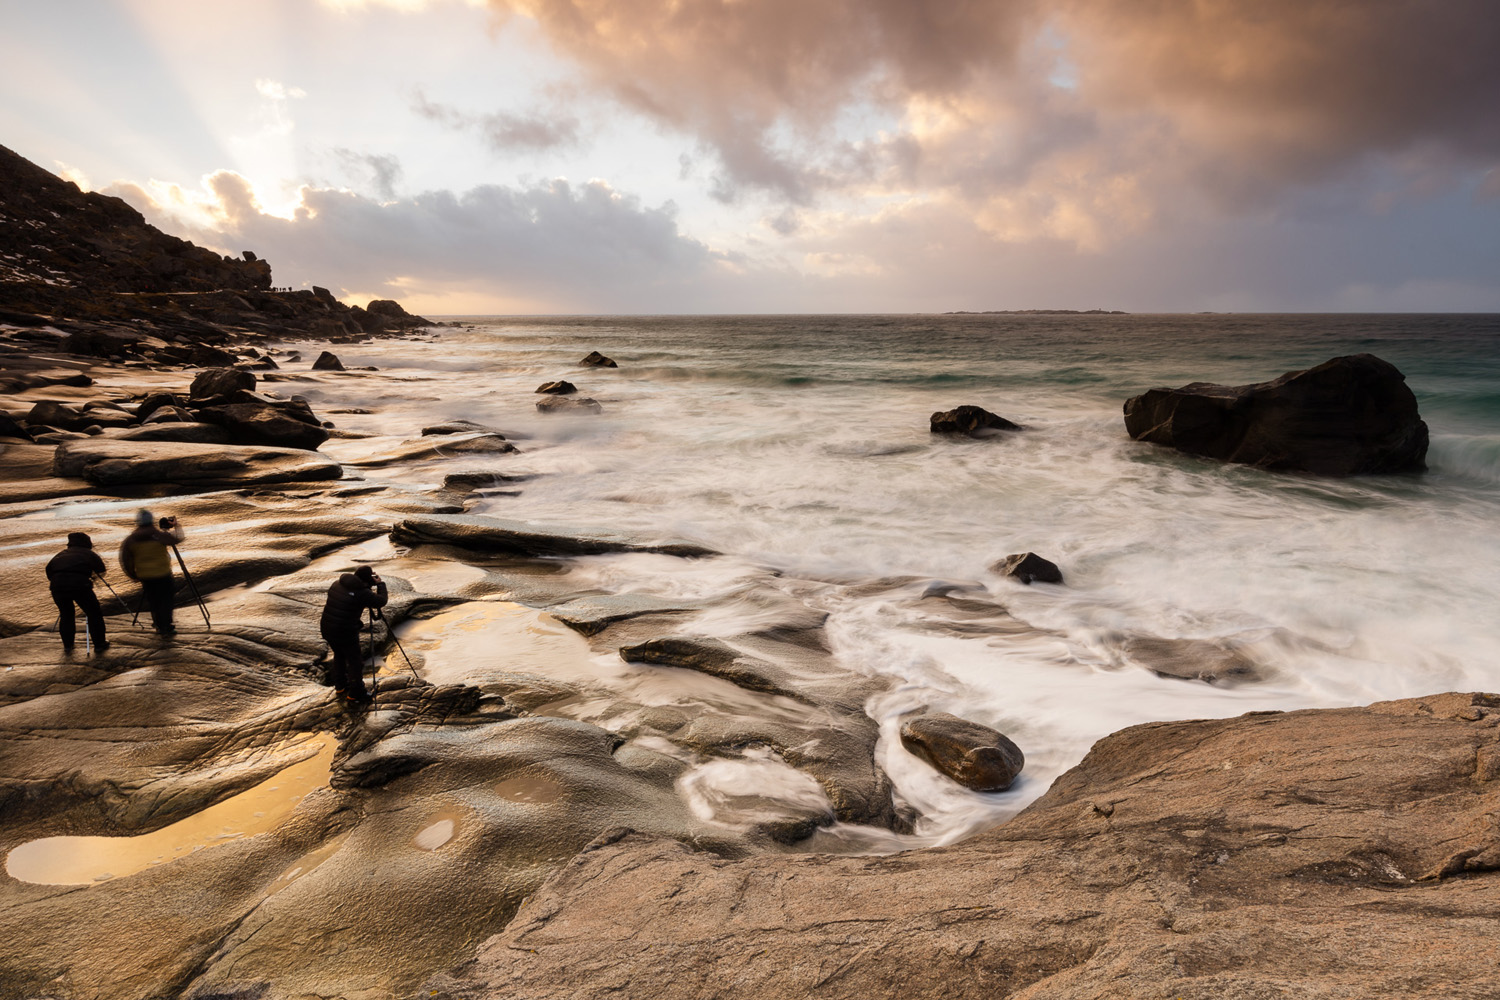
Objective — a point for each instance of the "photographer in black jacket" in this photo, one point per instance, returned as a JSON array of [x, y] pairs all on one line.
[[70, 577], [343, 614]]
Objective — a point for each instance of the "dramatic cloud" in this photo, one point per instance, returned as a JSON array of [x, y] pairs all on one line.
[[1068, 119], [502, 131]]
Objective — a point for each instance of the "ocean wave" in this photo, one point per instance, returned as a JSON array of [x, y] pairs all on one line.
[[1473, 456]]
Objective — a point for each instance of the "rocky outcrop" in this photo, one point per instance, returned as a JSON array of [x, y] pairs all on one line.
[[1028, 567], [328, 362], [90, 263], [975, 756], [111, 463], [558, 388], [1352, 415], [1189, 859], [973, 421], [597, 360], [493, 534]]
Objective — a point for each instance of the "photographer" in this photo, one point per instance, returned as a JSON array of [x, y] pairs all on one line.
[[144, 558], [70, 577], [343, 614]]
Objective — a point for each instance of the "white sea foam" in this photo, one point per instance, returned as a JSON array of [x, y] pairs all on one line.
[[806, 453]]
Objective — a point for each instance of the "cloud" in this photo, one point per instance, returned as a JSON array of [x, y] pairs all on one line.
[[504, 132], [1074, 119], [552, 247], [275, 90], [379, 171]]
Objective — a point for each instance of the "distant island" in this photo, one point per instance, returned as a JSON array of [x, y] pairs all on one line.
[[1036, 312]]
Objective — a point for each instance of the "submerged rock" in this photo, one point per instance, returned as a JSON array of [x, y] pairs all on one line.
[[975, 756], [569, 404], [1349, 416], [974, 421], [597, 360], [493, 534], [1192, 660], [718, 659], [559, 388], [461, 427], [1028, 567]]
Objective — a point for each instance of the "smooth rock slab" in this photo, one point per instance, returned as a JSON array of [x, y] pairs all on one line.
[[1350, 416], [493, 534], [975, 756], [1318, 855], [107, 462]]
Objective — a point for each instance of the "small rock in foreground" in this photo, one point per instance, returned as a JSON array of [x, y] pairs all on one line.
[[1028, 567], [975, 756], [974, 421], [597, 360], [1350, 416], [328, 362]]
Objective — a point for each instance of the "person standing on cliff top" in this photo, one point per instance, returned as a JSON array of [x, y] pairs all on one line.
[[144, 558], [70, 576], [343, 614]]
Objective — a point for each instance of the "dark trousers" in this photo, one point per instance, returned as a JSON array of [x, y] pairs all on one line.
[[66, 624], [158, 594], [348, 670]]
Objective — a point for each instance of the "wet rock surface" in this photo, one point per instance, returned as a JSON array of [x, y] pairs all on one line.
[[1349, 416], [569, 404], [493, 534], [973, 421], [1028, 567], [1153, 868], [975, 756], [112, 462]]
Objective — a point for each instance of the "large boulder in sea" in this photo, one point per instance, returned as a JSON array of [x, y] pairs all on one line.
[[597, 360], [975, 756], [1349, 416], [107, 462], [975, 421]]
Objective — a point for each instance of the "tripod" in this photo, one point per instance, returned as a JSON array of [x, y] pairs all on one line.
[[376, 613], [194, 586]]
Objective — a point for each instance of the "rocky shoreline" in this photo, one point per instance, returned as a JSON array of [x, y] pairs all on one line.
[[579, 820]]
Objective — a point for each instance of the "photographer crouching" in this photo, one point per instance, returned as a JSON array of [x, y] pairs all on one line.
[[343, 614]]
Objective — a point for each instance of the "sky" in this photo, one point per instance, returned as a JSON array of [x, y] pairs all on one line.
[[773, 156]]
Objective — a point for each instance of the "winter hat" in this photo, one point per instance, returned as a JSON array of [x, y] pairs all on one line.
[[143, 518], [365, 573], [79, 540]]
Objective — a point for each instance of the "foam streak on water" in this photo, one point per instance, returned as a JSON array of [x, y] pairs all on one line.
[[800, 445]]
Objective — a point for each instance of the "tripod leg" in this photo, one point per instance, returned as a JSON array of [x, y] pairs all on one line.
[[194, 586]]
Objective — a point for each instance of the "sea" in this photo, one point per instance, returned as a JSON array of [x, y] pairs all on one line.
[[799, 447]]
